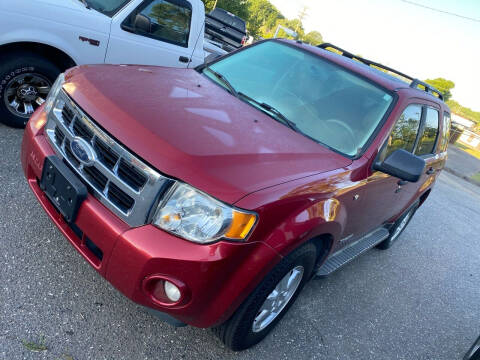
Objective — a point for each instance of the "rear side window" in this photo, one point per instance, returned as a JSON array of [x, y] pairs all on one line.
[[229, 19], [404, 132], [426, 145], [239, 25], [164, 20], [445, 131]]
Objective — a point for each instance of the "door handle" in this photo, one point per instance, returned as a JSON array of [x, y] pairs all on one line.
[[184, 59], [430, 171], [402, 182]]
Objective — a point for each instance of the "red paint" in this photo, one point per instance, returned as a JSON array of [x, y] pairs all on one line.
[[191, 129]]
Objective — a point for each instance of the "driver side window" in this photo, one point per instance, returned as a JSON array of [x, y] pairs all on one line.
[[404, 132], [164, 20]]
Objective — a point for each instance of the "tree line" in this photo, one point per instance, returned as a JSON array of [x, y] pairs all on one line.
[[445, 86], [263, 18]]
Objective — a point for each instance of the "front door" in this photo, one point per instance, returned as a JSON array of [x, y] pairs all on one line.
[[157, 32], [386, 196]]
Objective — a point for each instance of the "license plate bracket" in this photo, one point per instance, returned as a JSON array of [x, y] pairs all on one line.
[[62, 187]]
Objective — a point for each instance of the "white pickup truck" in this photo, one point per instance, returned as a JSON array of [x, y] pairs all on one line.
[[41, 38]]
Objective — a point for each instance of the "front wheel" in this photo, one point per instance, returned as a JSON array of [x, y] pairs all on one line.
[[397, 228], [25, 81], [269, 302]]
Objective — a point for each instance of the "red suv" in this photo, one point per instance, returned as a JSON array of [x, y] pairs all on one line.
[[212, 195]]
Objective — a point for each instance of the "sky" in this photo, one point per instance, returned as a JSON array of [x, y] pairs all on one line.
[[419, 42]]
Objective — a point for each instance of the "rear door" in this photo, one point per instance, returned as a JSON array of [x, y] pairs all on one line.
[[157, 32], [432, 145]]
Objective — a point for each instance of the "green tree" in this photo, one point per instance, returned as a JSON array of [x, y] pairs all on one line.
[[313, 38], [262, 14], [237, 7], [442, 85]]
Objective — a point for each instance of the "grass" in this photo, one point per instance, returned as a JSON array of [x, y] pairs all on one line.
[[476, 177], [469, 150], [36, 346]]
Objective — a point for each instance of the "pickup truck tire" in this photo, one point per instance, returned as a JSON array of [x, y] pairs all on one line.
[[280, 287], [25, 79], [397, 229]]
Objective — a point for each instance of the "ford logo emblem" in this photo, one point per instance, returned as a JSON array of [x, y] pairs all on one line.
[[83, 151]]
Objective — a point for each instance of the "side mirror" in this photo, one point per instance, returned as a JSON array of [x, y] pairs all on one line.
[[142, 23], [403, 165]]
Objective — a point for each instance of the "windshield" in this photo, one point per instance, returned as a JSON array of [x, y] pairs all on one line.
[[323, 101], [107, 7]]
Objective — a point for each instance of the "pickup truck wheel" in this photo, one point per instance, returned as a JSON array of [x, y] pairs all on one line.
[[25, 80], [397, 228], [269, 302]]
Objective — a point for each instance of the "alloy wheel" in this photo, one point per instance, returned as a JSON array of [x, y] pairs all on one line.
[[278, 299], [25, 93]]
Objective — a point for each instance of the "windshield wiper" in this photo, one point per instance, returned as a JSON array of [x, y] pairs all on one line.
[[274, 111], [223, 79], [84, 2]]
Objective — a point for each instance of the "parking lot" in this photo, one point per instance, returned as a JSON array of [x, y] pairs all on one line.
[[418, 300]]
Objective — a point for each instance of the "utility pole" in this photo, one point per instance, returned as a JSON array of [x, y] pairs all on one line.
[[215, 4], [301, 16]]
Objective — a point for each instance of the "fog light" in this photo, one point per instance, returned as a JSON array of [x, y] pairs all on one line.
[[172, 292]]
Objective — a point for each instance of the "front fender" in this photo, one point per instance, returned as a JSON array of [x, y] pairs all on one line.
[[325, 217]]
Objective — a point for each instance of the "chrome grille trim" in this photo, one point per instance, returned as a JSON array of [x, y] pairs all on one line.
[[143, 198]]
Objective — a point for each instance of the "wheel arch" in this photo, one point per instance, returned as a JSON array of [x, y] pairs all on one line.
[[57, 56]]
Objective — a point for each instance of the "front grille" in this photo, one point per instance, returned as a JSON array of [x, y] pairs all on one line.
[[105, 154], [122, 200], [119, 179], [98, 180], [131, 175]]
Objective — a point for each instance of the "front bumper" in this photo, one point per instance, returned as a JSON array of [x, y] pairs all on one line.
[[218, 276]]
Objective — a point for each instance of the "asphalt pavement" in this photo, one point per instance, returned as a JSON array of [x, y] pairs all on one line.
[[462, 163], [418, 300]]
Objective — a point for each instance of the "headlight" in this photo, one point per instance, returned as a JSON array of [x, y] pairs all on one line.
[[52, 95], [198, 217]]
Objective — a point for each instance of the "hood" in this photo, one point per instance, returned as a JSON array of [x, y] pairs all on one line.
[[71, 12], [191, 129]]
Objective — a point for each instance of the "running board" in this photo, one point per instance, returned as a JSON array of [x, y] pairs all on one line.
[[346, 255]]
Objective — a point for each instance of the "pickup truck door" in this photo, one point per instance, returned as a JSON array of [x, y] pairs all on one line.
[[386, 197], [155, 32], [66, 25]]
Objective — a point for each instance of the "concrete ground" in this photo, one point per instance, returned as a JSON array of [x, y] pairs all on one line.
[[418, 300], [462, 162]]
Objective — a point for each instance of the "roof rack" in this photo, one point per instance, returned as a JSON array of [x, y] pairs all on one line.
[[427, 87], [414, 82]]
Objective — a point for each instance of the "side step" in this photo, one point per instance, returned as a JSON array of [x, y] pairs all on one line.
[[344, 256]]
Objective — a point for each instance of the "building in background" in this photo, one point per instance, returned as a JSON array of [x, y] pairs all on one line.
[[467, 124]]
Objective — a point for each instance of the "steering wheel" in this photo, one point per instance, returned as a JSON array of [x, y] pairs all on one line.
[[347, 129]]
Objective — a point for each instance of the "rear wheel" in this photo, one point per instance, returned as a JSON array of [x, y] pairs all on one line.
[[399, 226], [269, 302], [25, 81]]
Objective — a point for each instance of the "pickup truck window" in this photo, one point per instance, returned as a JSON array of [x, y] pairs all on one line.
[[404, 132], [427, 142], [229, 19], [164, 20], [323, 101], [107, 7]]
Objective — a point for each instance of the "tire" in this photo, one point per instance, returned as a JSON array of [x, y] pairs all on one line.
[[400, 225], [238, 333], [30, 74]]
